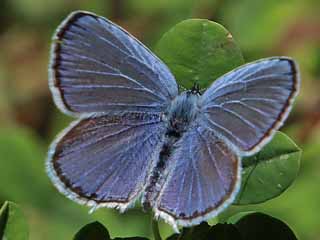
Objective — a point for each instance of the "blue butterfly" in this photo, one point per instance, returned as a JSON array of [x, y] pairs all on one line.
[[137, 137]]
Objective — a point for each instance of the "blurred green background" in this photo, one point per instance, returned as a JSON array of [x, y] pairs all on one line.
[[29, 120]]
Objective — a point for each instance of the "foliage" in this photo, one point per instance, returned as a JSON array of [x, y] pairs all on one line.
[[96, 231], [243, 226], [28, 118], [261, 226], [199, 51], [270, 172], [13, 225]]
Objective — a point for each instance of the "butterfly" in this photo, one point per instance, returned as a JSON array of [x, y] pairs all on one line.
[[137, 137]]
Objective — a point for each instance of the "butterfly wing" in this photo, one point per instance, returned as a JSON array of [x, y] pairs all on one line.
[[204, 180], [105, 160], [96, 66], [246, 106]]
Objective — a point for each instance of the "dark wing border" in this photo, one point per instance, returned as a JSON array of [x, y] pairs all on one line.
[[54, 61]]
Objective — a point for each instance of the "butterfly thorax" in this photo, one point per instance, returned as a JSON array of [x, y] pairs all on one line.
[[182, 111]]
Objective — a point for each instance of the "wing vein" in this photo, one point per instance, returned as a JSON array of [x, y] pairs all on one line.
[[246, 81], [128, 54], [211, 156], [250, 124], [223, 129], [112, 135], [247, 106]]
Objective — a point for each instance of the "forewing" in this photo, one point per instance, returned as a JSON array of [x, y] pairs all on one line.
[[246, 106], [96, 66], [204, 180], [105, 160]]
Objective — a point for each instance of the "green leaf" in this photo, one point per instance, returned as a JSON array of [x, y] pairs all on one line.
[[93, 231], [131, 238], [270, 172], [205, 231], [235, 218], [198, 51], [224, 232], [96, 231], [263, 227], [13, 225], [242, 226], [198, 232]]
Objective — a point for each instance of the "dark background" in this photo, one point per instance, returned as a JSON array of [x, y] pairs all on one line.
[[29, 120]]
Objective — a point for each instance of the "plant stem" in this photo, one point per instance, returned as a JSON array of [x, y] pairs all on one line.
[[155, 230], [186, 233]]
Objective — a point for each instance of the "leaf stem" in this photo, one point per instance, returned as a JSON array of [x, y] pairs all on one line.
[[155, 230]]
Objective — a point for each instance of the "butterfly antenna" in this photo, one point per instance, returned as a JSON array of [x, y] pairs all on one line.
[[196, 88]]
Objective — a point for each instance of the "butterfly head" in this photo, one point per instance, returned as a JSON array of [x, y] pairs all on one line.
[[195, 89]]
